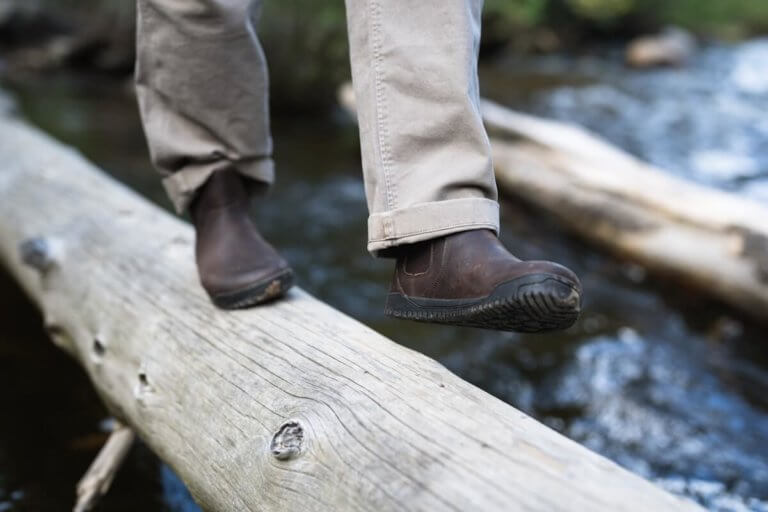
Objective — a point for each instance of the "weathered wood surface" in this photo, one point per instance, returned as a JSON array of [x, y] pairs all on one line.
[[706, 237], [291, 406]]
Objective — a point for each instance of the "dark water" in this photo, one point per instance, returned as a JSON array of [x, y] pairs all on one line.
[[656, 377]]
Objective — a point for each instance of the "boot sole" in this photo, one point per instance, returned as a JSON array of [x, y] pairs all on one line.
[[257, 293], [533, 303]]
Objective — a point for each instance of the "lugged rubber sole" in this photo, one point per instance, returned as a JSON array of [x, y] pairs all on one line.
[[532, 303], [257, 293]]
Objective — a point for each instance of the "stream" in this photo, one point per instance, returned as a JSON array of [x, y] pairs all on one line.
[[660, 379]]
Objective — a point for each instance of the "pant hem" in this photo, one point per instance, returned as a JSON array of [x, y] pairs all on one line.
[[430, 220], [181, 186]]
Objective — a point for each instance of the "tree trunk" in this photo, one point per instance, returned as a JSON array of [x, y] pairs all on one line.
[[289, 406]]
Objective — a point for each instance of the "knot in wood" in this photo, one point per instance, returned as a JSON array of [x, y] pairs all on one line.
[[36, 252], [286, 443]]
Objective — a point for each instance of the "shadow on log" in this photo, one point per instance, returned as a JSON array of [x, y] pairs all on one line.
[[290, 406]]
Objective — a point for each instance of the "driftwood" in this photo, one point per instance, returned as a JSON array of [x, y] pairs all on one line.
[[290, 406], [98, 479], [711, 239]]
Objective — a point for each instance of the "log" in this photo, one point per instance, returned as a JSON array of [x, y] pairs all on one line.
[[713, 240], [289, 406]]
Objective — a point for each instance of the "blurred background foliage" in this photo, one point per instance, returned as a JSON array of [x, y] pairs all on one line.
[[306, 41]]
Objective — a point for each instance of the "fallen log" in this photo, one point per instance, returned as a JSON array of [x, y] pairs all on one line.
[[290, 406], [713, 240]]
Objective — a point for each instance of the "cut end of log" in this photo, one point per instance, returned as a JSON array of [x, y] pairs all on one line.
[[756, 249]]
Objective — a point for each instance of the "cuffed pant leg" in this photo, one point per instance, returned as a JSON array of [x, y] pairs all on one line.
[[426, 155], [202, 85]]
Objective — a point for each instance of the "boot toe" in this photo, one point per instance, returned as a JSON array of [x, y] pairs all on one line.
[[550, 267]]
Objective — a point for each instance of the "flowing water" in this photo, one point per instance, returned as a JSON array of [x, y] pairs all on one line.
[[705, 121], [656, 377]]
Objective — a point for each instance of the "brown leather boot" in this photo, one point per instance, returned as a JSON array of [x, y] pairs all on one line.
[[237, 267], [470, 279]]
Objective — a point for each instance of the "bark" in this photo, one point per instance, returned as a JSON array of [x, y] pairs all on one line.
[[290, 406]]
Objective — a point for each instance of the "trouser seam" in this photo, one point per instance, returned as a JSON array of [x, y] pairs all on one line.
[[381, 107]]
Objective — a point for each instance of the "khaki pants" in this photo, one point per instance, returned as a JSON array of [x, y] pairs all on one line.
[[202, 85]]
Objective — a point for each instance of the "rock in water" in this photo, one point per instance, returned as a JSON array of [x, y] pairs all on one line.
[[672, 47]]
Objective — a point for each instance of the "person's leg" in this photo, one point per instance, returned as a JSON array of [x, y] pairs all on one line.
[[429, 177], [201, 81], [426, 155]]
